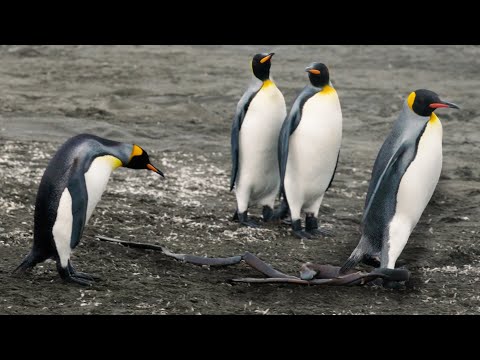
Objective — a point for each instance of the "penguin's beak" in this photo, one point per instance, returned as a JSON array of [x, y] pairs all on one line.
[[312, 71], [266, 58], [444, 104], [154, 169]]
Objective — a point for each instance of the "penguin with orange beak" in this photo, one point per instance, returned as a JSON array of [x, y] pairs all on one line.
[[254, 141], [69, 191], [308, 151]]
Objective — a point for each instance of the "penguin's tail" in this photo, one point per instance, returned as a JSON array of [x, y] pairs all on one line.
[[355, 258], [29, 262]]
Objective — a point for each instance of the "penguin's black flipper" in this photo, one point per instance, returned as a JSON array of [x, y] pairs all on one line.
[[289, 126], [382, 183], [242, 108], [79, 194], [237, 123], [334, 171]]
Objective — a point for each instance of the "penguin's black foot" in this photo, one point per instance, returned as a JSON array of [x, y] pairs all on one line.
[[371, 260], [79, 281], [268, 214], [87, 276], [76, 280], [69, 274], [298, 232], [376, 282], [311, 227], [235, 216], [319, 232], [395, 285], [243, 218], [81, 275], [250, 224], [301, 234], [282, 213]]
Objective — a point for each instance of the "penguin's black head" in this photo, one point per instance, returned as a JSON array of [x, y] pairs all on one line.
[[318, 74], [425, 102], [261, 64], [140, 160]]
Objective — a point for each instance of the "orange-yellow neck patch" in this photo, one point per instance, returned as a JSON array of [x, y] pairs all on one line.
[[137, 150], [434, 120], [116, 162], [327, 90], [267, 83], [411, 100], [113, 161]]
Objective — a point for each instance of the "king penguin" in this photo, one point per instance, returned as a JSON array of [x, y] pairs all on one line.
[[71, 187], [254, 141], [309, 148], [404, 177]]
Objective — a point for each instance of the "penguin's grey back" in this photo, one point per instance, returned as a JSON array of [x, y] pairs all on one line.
[[400, 149], [71, 161]]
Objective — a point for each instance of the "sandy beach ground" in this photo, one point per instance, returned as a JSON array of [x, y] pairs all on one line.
[[178, 102]]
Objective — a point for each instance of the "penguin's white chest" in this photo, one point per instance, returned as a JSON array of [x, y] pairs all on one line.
[[258, 142], [314, 145], [263, 121], [419, 182], [96, 179]]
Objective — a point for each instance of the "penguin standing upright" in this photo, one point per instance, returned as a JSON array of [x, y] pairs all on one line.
[[309, 149], [254, 140], [71, 187], [404, 177]]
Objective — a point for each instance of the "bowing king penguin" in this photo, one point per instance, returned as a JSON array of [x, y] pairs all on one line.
[[71, 187], [254, 141], [308, 150], [404, 177]]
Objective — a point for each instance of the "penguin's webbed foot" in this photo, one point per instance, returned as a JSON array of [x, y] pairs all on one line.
[[301, 234], [88, 277], [81, 275], [282, 213], [395, 285], [298, 231], [235, 216], [311, 227], [269, 215], [250, 224], [245, 221], [78, 280], [372, 260], [69, 274], [319, 232]]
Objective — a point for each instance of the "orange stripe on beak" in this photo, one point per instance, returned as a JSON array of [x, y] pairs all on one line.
[[154, 169], [265, 59]]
